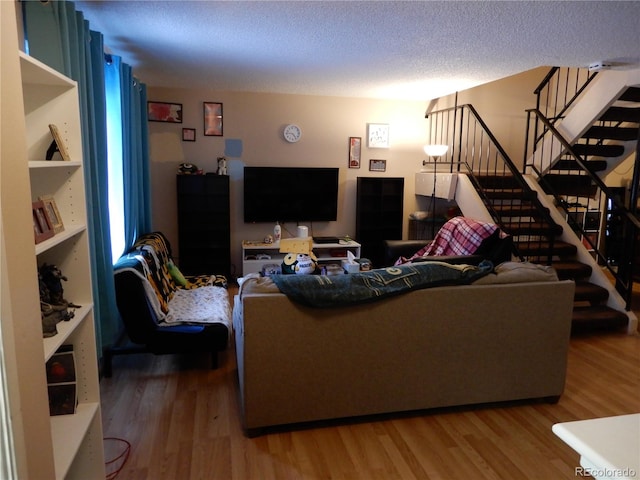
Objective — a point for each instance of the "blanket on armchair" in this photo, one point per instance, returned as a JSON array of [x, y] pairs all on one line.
[[339, 290]]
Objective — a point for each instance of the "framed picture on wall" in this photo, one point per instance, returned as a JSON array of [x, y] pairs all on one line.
[[188, 134], [164, 112], [355, 147], [377, 135], [377, 165], [213, 119]]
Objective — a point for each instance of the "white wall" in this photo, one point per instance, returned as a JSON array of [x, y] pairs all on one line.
[[257, 120]]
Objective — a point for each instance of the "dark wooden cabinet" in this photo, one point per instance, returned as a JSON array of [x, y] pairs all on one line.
[[379, 215], [204, 242]]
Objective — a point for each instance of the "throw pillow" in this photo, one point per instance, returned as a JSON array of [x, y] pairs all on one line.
[[176, 274]]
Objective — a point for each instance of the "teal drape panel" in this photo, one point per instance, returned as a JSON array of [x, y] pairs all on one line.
[[59, 36], [137, 188]]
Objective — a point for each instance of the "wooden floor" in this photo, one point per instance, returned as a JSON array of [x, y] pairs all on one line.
[[182, 421]]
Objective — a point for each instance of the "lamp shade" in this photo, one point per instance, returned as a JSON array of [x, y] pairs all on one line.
[[436, 150]]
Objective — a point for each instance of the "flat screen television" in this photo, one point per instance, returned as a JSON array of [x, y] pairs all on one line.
[[290, 194]]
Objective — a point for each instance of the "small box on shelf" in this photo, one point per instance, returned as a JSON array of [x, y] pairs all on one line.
[[350, 267]]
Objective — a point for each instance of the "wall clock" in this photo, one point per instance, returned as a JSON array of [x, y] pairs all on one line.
[[292, 133]]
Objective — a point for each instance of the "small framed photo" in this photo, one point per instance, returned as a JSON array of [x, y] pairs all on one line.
[[188, 134], [52, 213], [377, 165], [41, 226], [164, 112], [213, 119], [58, 144], [355, 147], [377, 135]]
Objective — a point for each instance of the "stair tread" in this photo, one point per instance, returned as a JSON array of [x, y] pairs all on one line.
[[607, 150], [631, 94], [498, 181], [571, 164], [565, 184], [530, 228], [508, 194], [586, 291], [580, 180], [541, 248], [597, 317], [621, 114], [516, 210], [612, 133], [571, 270]]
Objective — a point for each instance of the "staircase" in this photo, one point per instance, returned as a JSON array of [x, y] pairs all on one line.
[[599, 148], [537, 239], [574, 178], [522, 209]]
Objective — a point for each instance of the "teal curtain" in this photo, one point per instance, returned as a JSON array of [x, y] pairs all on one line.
[[59, 36], [137, 188]]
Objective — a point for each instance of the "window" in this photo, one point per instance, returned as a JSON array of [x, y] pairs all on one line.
[[115, 156]]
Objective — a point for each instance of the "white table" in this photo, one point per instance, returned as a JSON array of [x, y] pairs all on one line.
[[609, 447]]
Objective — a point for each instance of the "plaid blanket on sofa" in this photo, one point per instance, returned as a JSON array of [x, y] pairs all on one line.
[[459, 236]]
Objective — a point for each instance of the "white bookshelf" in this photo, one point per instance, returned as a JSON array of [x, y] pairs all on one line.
[[51, 98]]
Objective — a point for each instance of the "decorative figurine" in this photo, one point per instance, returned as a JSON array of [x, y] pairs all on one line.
[[222, 166]]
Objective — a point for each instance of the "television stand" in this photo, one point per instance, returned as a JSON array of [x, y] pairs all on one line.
[[256, 254]]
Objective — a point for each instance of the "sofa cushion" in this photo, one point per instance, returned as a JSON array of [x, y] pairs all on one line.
[[206, 304], [519, 272]]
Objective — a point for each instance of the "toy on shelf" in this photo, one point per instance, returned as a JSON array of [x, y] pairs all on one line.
[[222, 166]]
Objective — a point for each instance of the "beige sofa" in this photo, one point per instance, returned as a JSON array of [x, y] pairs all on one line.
[[435, 347]]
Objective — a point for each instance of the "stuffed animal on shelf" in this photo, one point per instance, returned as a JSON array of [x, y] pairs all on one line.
[[299, 263], [222, 166]]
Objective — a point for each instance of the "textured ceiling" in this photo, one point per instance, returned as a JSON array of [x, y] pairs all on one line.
[[413, 50]]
